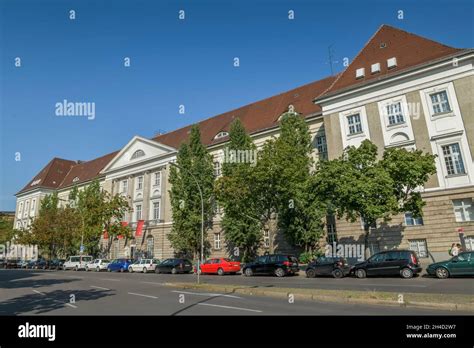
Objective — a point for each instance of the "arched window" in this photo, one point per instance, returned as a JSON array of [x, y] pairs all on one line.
[[221, 135], [138, 154]]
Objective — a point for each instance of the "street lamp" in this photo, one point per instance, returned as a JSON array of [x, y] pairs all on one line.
[[200, 259]]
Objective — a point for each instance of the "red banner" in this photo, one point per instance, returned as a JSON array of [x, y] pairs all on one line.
[[119, 236], [139, 228], [124, 223], [106, 235]]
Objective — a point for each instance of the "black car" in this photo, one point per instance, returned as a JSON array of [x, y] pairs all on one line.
[[402, 263], [42, 264], [174, 266], [56, 264], [31, 264], [326, 266], [279, 265]]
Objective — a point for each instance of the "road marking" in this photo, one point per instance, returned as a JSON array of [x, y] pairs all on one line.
[[135, 294], [155, 283], [205, 294], [70, 305], [229, 307], [54, 300], [99, 287], [38, 292], [112, 280]]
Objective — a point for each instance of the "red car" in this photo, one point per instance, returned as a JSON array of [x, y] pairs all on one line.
[[220, 266]]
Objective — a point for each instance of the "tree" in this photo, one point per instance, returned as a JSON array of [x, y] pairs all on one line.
[[358, 185], [235, 194], [300, 212], [7, 231], [98, 211], [194, 164]]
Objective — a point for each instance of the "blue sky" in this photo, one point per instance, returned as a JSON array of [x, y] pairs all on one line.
[[173, 62]]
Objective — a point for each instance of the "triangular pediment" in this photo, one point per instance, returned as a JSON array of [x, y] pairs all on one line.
[[138, 150]]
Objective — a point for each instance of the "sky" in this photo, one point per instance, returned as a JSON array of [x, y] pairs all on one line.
[[173, 62]]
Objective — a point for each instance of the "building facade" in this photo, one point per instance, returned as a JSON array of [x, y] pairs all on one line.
[[401, 90]]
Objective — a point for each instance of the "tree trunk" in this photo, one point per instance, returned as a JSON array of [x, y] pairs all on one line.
[[366, 240]]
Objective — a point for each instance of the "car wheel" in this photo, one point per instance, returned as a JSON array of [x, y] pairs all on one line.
[[97, 269], [248, 272], [145, 270], [122, 270], [109, 270], [220, 272], [361, 273], [337, 273], [406, 273], [174, 270], [442, 273], [310, 273], [130, 269], [279, 272], [157, 271], [76, 268]]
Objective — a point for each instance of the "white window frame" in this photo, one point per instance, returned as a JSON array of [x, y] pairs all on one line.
[[357, 125], [33, 207], [152, 209], [217, 241], [416, 221], [321, 145], [469, 240], [417, 245], [449, 89], [439, 102], [451, 155], [124, 186], [353, 139], [466, 205], [139, 183], [217, 169], [18, 225], [27, 208], [157, 178], [136, 211], [20, 210]]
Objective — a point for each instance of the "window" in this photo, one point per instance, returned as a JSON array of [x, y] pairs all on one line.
[[440, 102], [395, 114], [374, 248], [18, 225], [419, 247], [217, 241], [379, 257], [124, 188], [266, 239], [412, 221], [157, 179], [221, 135], [453, 159], [20, 210], [33, 206], [322, 147], [355, 125], [27, 207], [463, 209], [217, 169], [469, 243], [138, 212], [138, 154], [139, 183], [149, 247], [331, 229], [156, 210], [76, 179]]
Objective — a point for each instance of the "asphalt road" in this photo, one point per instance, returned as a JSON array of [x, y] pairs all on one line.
[[50, 292]]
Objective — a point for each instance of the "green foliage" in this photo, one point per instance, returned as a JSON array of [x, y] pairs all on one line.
[[358, 185], [6, 229], [235, 193], [194, 164], [308, 256]]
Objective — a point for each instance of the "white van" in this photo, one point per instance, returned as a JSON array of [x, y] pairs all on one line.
[[76, 262]]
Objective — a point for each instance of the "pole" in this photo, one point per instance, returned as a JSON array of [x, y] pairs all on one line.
[[200, 258]]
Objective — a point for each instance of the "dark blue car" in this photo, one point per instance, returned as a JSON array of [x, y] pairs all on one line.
[[119, 265]]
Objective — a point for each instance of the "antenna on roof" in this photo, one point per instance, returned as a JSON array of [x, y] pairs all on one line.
[[330, 59]]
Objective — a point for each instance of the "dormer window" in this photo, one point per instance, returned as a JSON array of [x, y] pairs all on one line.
[[36, 182], [76, 179], [221, 135], [375, 68], [138, 154], [391, 62], [360, 73]]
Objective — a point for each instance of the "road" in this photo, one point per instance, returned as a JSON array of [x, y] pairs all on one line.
[[50, 293]]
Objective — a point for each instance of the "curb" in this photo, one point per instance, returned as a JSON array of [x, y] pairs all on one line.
[[305, 296]]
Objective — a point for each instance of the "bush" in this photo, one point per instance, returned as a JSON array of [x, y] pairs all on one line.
[[307, 257]]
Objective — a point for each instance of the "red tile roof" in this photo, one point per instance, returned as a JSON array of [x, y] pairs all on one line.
[[409, 49], [51, 175], [255, 117]]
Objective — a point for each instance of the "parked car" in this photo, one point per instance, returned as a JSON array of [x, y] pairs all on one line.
[[220, 266], [119, 265], [41, 264], [24, 263], [76, 263], [143, 265], [279, 265], [31, 264], [463, 264], [326, 266], [56, 264], [403, 263], [12, 263], [97, 265], [174, 266]]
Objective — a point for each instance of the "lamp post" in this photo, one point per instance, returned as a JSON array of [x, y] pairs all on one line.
[[200, 259]]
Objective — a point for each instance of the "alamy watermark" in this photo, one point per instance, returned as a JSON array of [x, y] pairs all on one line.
[[240, 156], [67, 108], [355, 251]]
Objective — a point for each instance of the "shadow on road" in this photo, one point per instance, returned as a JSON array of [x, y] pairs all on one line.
[[28, 279]]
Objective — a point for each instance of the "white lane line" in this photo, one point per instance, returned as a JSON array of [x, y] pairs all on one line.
[[135, 294], [38, 292], [154, 283], [229, 307], [99, 287], [112, 280], [205, 294], [54, 300], [70, 305]]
